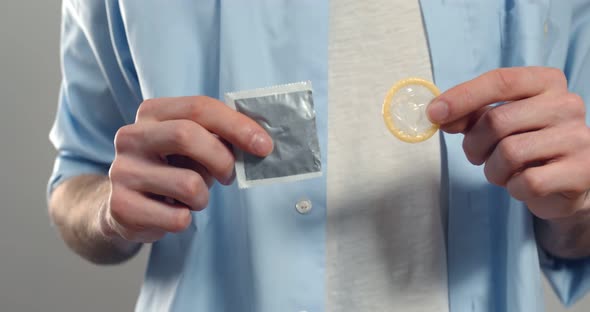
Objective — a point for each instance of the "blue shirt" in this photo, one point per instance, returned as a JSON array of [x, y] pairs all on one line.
[[250, 250]]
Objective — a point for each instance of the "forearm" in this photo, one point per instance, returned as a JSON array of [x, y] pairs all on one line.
[[567, 238], [75, 207]]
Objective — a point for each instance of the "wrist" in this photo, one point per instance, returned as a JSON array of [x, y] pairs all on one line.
[[567, 238]]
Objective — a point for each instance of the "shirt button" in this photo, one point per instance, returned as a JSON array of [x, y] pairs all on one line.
[[303, 206]]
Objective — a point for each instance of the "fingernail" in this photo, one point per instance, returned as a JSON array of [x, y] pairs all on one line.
[[438, 111], [229, 180], [261, 144]]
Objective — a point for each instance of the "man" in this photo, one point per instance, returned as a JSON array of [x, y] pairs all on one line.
[[139, 101]]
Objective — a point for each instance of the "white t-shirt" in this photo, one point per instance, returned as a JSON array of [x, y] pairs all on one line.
[[385, 237]]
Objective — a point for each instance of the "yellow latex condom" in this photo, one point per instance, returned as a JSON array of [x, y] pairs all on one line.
[[404, 109]]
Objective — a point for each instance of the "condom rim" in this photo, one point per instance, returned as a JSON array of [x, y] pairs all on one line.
[[386, 110]]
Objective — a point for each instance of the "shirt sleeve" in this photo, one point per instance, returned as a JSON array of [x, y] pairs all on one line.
[[95, 86], [570, 279]]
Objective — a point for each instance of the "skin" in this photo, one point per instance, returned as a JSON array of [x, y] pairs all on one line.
[[164, 165], [537, 146]]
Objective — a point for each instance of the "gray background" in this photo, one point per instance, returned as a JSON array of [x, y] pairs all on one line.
[[37, 272]]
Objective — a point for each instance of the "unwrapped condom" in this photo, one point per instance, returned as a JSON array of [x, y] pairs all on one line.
[[404, 109]]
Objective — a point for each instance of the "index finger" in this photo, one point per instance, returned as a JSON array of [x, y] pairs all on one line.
[[213, 115], [500, 85]]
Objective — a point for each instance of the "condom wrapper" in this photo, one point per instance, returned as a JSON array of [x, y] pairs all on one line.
[[404, 110], [287, 114]]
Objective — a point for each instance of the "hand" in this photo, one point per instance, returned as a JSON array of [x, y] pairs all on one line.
[[166, 161], [537, 145]]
